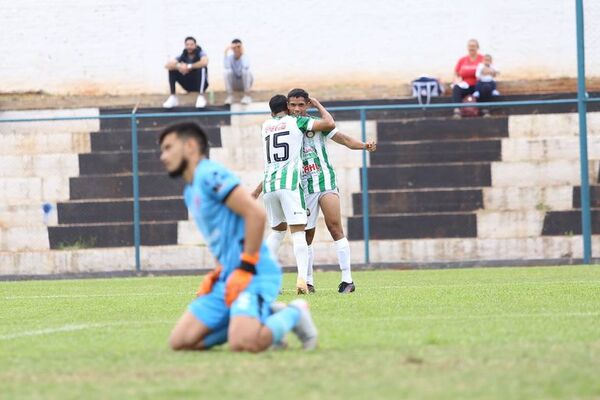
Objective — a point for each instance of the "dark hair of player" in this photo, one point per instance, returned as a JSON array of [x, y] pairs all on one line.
[[298, 93], [189, 38], [188, 130], [236, 41], [278, 103]]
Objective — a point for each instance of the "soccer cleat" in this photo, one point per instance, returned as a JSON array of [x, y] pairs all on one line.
[[311, 288], [200, 101], [301, 286], [305, 329], [171, 102], [346, 287], [246, 100]]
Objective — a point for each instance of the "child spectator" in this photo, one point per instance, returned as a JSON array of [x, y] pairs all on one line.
[[486, 74]]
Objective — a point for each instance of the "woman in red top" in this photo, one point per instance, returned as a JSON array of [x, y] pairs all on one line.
[[464, 75]]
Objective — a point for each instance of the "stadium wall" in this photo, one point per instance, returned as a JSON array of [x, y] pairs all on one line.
[[121, 46]]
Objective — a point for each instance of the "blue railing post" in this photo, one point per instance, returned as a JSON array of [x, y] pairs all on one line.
[[136, 189], [365, 186], [583, 151]]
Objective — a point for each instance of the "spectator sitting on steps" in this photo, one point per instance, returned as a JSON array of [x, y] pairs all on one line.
[[486, 74], [237, 72], [190, 71], [465, 76]]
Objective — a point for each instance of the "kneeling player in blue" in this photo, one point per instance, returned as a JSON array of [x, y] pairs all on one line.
[[234, 300]]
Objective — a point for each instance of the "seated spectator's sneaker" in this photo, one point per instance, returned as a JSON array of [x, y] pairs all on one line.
[[171, 102], [346, 287], [495, 93], [486, 113], [476, 94], [246, 99], [456, 114], [200, 101], [228, 100]]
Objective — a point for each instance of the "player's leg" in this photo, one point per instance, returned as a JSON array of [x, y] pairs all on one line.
[[330, 205], [204, 324], [294, 208], [312, 211], [276, 219]]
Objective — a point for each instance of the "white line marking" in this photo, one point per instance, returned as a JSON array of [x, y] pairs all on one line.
[[78, 327]]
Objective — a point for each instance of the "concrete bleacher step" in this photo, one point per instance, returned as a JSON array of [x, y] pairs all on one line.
[[436, 151], [420, 201], [594, 196], [16, 215], [540, 173], [39, 165], [559, 223], [111, 234], [158, 122], [120, 139], [425, 225], [442, 129], [121, 186], [453, 175], [24, 238], [552, 148], [32, 143], [82, 212], [34, 189], [541, 126]]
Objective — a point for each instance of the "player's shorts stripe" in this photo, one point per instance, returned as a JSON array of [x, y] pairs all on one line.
[[302, 201]]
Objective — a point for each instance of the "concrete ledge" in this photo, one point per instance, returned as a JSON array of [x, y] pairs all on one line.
[[509, 224], [43, 143], [24, 238], [26, 215], [548, 125], [528, 198], [539, 173], [556, 148], [51, 126], [44, 165]]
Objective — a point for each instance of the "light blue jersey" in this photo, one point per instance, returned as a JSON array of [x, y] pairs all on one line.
[[223, 230]]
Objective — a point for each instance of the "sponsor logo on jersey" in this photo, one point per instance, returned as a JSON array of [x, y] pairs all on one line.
[[307, 169], [310, 134], [279, 127]]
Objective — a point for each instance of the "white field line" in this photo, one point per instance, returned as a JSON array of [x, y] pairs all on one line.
[[78, 327], [489, 316], [385, 287]]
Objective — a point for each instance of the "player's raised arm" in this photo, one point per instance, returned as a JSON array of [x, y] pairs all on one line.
[[326, 123], [354, 144]]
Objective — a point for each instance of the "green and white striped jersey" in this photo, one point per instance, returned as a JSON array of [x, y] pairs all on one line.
[[282, 144], [317, 172]]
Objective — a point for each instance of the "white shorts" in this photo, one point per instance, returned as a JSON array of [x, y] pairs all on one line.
[[312, 206], [285, 205]]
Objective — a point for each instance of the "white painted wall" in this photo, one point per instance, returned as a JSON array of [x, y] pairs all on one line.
[[117, 46]]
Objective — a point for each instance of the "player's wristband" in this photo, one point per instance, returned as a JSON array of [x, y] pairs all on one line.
[[249, 262]]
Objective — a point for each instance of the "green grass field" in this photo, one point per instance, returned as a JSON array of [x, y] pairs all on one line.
[[507, 333]]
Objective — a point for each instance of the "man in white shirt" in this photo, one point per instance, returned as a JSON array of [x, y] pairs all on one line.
[[237, 72]]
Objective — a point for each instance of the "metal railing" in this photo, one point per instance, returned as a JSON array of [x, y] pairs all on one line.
[[581, 102]]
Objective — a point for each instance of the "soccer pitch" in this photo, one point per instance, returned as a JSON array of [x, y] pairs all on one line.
[[466, 333]]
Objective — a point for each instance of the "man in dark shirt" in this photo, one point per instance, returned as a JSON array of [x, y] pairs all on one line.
[[190, 71]]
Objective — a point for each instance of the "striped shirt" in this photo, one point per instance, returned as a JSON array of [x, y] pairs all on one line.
[[317, 172], [282, 145]]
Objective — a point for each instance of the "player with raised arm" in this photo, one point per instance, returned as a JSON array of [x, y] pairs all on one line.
[[321, 188], [283, 196], [234, 300]]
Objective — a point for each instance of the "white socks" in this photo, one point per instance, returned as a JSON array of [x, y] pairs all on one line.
[[301, 253], [311, 257], [343, 252], [274, 241]]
